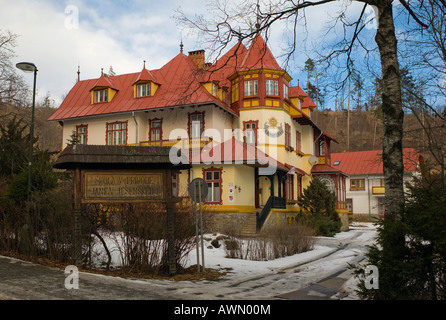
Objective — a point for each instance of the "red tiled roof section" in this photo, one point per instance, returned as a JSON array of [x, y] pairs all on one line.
[[104, 82], [259, 56], [146, 75], [179, 85], [234, 150], [370, 162]]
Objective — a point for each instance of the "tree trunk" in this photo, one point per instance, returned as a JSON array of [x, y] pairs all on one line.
[[393, 114]]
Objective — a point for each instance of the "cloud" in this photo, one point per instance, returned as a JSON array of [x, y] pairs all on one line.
[[117, 38]]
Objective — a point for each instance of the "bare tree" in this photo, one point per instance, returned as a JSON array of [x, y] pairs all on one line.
[[248, 18]]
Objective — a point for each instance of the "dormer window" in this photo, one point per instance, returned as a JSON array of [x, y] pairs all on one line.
[[101, 95], [143, 90]]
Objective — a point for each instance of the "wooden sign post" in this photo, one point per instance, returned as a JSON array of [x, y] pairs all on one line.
[[121, 174]]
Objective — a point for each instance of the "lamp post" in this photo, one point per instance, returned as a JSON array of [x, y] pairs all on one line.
[[30, 67]]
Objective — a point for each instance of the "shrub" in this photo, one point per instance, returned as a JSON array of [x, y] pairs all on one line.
[[272, 243], [320, 204]]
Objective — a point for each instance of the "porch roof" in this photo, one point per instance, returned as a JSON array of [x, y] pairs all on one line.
[[234, 151]]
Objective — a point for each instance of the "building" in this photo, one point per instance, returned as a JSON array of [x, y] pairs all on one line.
[[365, 181], [247, 132]]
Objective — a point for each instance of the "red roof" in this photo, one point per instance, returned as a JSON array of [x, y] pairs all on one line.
[[370, 162], [179, 85], [236, 151]]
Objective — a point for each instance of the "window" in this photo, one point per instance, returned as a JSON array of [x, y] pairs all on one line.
[[321, 147], [156, 131], [81, 134], [298, 141], [101, 96], [143, 90], [250, 128], [349, 205], [250, 88], [212, 177], [287, 135], [290, 187], [285, 91], [357, 184], [214, 89], [272, 88], [117, 133], [234, 92], [196, 124]]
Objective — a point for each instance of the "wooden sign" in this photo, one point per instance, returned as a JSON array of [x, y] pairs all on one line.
[[126, 186]]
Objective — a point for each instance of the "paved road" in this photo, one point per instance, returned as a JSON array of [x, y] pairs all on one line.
[[309, 280]]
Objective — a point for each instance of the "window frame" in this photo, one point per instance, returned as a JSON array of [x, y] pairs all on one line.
[[100, 95], [159, 129], [212, 181], [82, 134], [191, 123], [287, 135], [146, 92], [357, 188], [298, 141], [112, 130], [255, 130], [251, 88], [272, 87]]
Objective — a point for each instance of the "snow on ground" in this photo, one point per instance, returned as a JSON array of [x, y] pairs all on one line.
[[259, 279]]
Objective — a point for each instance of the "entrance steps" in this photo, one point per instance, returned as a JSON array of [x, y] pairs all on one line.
[[250, 227]]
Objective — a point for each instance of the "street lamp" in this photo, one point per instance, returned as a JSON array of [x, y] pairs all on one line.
[[30, 67]]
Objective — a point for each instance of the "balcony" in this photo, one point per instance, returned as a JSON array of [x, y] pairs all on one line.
[[378, 190]]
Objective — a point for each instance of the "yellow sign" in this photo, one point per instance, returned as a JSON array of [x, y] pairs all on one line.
[[123, 186]]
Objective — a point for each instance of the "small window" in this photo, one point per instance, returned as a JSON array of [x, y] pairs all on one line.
[[117, 133], [357, 184], [81, 134], [287, 135], [101, 96], [214, 89], [196, 124], [213, 180], [298, 141], [251, 88], [272, 88], [251, 132], [285, 91], [336, 163], [143, 90], [155, 133]]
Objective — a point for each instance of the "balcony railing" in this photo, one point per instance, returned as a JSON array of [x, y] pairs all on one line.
[[181, 143]]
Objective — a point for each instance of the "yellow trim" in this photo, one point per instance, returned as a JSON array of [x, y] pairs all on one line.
[[276, 73], [229, 208]]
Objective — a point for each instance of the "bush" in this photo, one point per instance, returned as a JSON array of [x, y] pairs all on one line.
[[272, 243], [323, 225]]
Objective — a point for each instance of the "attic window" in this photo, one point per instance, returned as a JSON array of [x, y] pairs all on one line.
[[101, 95], [337, 163], [143, 90]]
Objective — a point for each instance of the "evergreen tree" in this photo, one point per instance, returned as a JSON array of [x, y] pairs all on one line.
[[320, 202], [14, 146]]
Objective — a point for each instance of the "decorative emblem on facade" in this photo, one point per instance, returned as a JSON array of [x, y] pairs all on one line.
[[272, 122]]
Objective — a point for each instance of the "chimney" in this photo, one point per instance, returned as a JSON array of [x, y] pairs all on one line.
[[197, 56]]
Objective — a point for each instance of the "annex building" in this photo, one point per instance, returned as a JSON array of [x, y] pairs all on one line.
[[365, 181], [246, 131]]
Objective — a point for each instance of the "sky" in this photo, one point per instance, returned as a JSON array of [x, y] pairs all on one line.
[[59, 36]]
